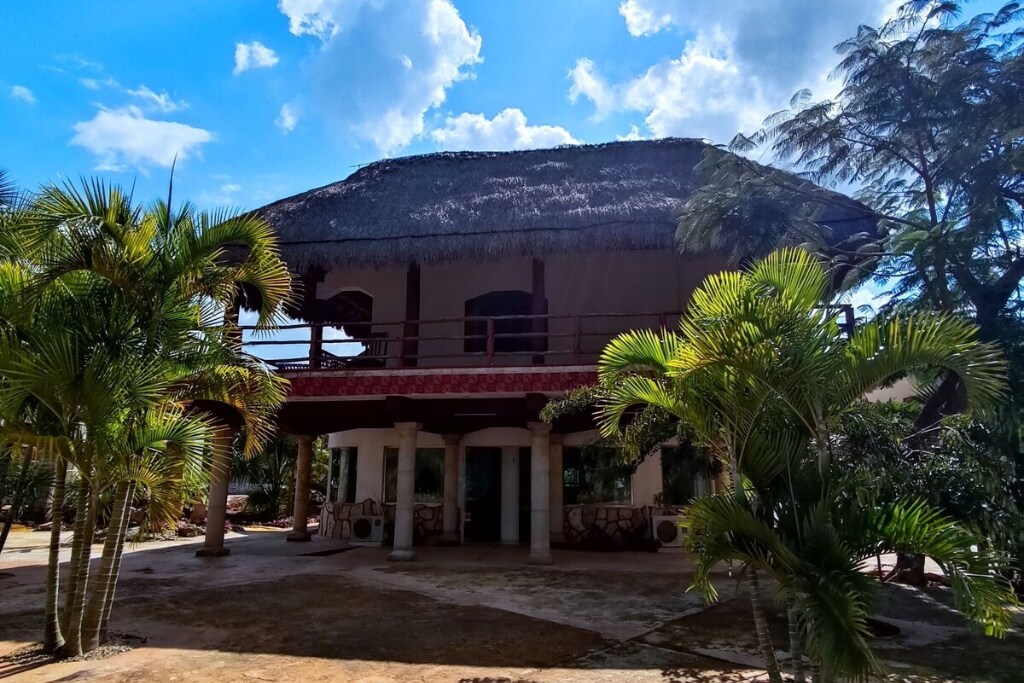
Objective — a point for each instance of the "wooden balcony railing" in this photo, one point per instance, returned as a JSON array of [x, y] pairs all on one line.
[[512, 340]]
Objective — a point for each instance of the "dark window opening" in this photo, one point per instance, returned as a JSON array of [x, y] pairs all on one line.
[[511, 335], [341, 476], [686, 473], [352, 312], [595, 475], [429, 482]]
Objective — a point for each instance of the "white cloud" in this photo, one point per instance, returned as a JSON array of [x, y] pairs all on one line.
[[382, 65], [23, 94], [226, 194], [742, 61], [633, 135], [644, 17], [125, 137], [96, 84], [254, 55], [507, 130], [145, 97], [153, 101], [287, 119]]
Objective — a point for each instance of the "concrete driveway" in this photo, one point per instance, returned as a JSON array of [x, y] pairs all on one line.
[[276, 611]]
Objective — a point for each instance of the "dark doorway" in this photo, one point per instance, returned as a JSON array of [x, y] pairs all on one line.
[[483, 494], [525, 495]]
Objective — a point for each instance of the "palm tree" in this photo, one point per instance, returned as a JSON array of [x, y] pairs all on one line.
[[139, 361], [758, 370]]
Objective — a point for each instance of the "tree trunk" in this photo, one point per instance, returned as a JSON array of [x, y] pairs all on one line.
[[19, 495], [816, 676], [116, 569], [101, 585], [764, 638], [53, 639], [796, 651], [73, 646], [77, 535]]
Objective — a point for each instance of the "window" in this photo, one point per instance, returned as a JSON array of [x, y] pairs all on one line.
[[510, 334], [341, 476], [686, 473], [595, 475], [429, 483]]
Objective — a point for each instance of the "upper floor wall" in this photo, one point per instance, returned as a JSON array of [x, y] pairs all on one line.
[[560, 310]]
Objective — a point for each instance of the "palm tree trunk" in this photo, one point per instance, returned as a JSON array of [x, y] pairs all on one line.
[[73, 646], [796, 652], [764, 638], [53, 639], [116, 570], [815, 671], [81, 505], [19, 495], [101, 585]]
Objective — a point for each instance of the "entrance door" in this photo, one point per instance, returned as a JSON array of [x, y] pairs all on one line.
[[483, 494]]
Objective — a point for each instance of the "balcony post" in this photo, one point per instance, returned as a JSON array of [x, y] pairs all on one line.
[[316, 345], [538, 309], [411, 327], [577, 341], [490, 341]]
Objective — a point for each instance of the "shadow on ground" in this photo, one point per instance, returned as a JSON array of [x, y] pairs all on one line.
[[272, 612]]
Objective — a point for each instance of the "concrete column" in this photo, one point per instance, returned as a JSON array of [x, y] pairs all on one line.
[[557, 489], [303, 473], [217, 504], [449, 512], [510, 495], [540, 494], [404, 510]]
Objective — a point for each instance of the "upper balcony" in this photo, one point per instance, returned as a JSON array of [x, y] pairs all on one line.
[[463, 342], [496, 356]]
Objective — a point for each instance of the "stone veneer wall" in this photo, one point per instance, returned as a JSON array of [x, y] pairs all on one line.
[[610, 526], [586, 526], [336, 519]]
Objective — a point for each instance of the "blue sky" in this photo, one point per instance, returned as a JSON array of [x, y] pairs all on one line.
[[263, 99]]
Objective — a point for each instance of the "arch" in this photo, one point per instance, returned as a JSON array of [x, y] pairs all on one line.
[[511, 334]]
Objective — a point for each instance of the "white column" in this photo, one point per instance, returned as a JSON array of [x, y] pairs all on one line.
[[449, 512], [540, 494], [303, 473], [557, 489], [217, 503], [510, 495], [402, 549]]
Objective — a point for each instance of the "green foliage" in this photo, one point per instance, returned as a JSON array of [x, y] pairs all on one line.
[[115, 358], [758, 373], [267, 477], [929, 126], [958, 465]]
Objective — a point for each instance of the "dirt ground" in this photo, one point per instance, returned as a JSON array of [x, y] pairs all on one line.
[[273, 612]]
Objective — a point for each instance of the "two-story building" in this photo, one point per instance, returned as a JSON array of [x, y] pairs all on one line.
[[447, 297]]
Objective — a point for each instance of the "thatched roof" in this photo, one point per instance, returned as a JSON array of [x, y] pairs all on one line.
[[455, 205]]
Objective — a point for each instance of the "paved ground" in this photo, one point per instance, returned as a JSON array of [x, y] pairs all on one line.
[[272, 612]]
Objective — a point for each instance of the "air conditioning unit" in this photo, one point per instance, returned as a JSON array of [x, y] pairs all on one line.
[[367, 530], [666, 529]]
